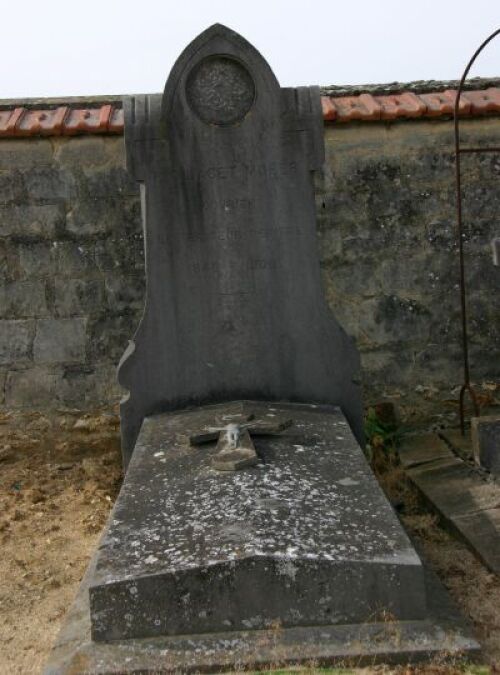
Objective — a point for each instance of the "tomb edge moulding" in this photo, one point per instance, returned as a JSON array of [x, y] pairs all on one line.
[[235, 307]]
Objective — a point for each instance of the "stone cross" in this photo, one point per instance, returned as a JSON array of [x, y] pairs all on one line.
[[234, 443]]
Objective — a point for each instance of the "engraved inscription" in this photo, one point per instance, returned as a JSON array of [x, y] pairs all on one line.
[[239, 205], [220, 90], [249, 170], [236, 276], [238, 233]]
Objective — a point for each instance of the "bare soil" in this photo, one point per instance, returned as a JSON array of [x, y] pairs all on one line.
[[57, 485], [59, 477]]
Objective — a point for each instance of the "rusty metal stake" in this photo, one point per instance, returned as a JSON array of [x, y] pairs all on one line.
[[458, 151]]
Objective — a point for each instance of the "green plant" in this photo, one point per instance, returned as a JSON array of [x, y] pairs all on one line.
[[382, 433]]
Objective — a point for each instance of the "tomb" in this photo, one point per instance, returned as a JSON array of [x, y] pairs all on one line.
[[249, 529]]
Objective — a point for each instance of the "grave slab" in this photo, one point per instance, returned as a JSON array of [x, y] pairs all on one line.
[[305, 537], [299, 559], [466, 501]]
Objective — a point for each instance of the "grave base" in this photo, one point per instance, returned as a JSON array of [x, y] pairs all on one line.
[[443, 635], [144, 577]]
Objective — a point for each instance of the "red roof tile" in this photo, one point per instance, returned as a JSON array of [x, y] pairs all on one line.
[[108, 119]]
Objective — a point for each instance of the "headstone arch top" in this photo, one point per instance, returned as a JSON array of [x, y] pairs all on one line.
[[234, 307]]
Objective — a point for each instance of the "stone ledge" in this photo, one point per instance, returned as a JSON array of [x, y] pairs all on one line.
[[104, 115]]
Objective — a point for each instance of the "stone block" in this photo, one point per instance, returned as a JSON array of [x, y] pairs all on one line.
[[73, 259], [109, 335], [11, 187], [485, 432], [30, 221], [48, 184], [76, 297], [124, 255], [9, 261], [84, 386], [81, 151], [125, 293], [36, 259], [92, 216], [16, 338], [25, 153], [108, 182], [60, 341], [31, 388], [395, 318], [20, 299]]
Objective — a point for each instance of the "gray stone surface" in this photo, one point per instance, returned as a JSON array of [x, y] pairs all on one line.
[[485, 432], [38, 385], [306, 537], [466, 502], [442, 634], [16, 339], [59, 341], [235, 306], [43, 220]]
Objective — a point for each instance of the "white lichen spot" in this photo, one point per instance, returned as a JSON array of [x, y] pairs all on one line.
[[286, 568], [348, 481]]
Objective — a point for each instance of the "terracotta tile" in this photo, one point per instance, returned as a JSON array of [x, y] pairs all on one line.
[[350, 108], [405, 104], [464, 107], [42, 122], [8, 127], [329, 110], [482, 102], [87, 120]]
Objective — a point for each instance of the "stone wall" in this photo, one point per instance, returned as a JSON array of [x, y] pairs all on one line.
[[72, 262], [387, 227], [72, 269]]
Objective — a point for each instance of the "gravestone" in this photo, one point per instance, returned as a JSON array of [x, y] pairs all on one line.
[[485, 434], [235, 306], [246, 532]]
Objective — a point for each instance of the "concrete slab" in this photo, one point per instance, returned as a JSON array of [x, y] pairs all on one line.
[[421, 449], [306, 537], [454, 488], [443, 633], [466, 500], [482, 532]]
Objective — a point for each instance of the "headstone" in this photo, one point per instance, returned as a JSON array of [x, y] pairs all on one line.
[[235, 307], [485, 432]]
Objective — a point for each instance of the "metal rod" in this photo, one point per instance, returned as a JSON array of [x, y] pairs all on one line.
[[465, 341]]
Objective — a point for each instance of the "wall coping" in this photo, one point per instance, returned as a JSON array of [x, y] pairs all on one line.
[[78, 115]]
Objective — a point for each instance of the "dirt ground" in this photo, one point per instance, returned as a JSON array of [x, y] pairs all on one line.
[[59, 477]]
